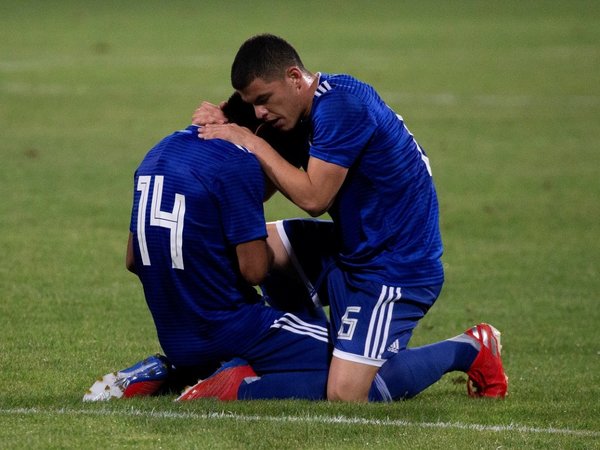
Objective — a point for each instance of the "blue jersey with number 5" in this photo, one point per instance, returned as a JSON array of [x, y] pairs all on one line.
[[386, 211], [194, 201]]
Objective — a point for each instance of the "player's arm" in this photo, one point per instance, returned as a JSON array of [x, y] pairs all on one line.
[[129, 257], [313, 190], [254, 259]]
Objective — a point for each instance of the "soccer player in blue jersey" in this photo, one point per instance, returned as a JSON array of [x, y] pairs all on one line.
[[369, 173], [197, 243]]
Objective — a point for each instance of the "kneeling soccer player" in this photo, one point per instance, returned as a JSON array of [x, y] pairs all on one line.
[[198, 245]]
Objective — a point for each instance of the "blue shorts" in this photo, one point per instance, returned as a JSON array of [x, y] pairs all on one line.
[[370, 321], [272, 341], [293, 342]]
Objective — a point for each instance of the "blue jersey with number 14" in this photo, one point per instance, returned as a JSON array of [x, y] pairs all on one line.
[[386, 212], [194, 201]]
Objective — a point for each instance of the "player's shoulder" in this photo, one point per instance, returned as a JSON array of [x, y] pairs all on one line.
[[338, 83], [181, 138], [339, 89], [231, 158], [184, 147], [338, 94], [226, 150]]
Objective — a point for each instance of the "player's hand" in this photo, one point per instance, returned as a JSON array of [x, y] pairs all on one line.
[[229, 132], [209, 113]]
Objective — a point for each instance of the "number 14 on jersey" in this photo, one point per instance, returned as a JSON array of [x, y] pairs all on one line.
[[173, 220]]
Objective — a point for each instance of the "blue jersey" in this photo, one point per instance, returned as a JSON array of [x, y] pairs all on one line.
[[194, 201], [386, 211]]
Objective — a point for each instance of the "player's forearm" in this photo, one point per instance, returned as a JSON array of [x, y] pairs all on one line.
[[313, 190], [255, 259], [294, 183]]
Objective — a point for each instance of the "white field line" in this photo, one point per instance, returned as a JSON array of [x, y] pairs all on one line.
[[318, 419]]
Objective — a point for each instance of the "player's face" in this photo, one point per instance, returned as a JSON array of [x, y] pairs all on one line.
[[278, 102]]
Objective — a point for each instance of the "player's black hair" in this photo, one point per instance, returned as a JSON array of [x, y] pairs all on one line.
[[263, 56], [291, 145], [239, 112]]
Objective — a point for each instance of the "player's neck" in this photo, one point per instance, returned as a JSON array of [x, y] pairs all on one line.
[[312, 80]]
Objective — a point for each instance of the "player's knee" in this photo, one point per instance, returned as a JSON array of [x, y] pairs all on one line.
[[349, 381], [347, 391]]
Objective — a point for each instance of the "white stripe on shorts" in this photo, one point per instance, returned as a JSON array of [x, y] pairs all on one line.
[[296, 325], [381, 319]]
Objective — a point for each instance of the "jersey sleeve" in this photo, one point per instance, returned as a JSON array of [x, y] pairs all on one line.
[[239, 191], [342, 127]]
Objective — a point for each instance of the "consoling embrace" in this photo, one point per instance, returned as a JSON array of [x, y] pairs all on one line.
[[199, 244]]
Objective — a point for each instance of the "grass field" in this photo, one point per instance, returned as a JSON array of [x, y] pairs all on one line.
[[505, 98]]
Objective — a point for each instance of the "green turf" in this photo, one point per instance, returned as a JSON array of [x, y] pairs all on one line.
[[505, 98]]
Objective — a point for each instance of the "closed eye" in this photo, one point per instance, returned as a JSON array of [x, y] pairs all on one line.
[[261, 99]]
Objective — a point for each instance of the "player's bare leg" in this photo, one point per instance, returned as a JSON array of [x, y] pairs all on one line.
[[281, 258], [349, 381]]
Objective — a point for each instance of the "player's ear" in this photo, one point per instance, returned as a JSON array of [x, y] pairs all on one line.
[[294, 74]]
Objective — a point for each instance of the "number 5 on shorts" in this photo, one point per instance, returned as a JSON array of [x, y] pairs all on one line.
[[346, 331]]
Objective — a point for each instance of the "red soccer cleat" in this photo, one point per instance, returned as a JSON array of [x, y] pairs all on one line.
[[223, 384], [486, 374]]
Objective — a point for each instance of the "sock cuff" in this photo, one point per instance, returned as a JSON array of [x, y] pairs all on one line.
[[381, 387]]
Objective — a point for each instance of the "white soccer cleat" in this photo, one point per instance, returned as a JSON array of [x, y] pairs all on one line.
[[104, 389], [143, 378]]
